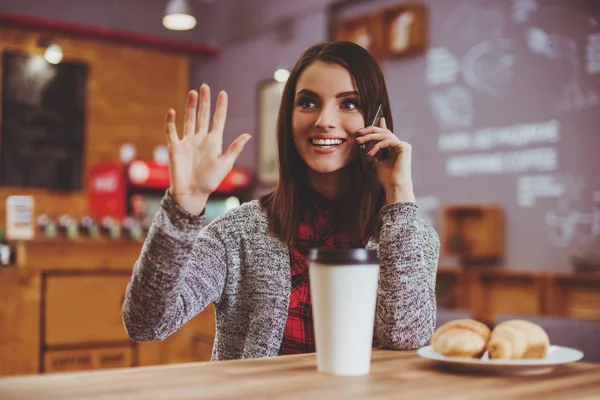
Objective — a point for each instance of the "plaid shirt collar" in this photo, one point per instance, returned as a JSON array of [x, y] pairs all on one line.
[[315, 230]]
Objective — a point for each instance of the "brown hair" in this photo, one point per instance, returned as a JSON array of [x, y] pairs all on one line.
[[358, 214]]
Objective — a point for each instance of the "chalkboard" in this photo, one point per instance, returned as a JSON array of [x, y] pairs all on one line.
[[504, 108], [43, 123]]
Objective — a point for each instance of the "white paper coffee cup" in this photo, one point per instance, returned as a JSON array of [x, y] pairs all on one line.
[[343, 285]]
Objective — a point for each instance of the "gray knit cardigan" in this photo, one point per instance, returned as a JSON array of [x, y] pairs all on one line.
[[234, 263]]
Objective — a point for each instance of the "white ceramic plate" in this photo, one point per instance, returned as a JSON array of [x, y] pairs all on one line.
[[557, 355]]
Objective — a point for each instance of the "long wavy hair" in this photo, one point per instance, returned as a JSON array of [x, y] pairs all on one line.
[[358, 213]]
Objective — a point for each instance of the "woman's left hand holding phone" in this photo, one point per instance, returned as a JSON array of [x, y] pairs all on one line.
[[394, 173]]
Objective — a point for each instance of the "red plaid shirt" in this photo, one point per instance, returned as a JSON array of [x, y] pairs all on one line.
[[315, 230]]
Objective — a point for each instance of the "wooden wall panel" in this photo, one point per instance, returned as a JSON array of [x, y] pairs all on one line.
[[128, 93], [73, 255], [20, 296], [85, 310]]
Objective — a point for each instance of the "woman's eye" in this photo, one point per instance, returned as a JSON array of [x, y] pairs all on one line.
[[349, 105], [306, 103]]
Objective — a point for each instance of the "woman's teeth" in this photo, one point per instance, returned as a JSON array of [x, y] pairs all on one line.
[[326, 142]]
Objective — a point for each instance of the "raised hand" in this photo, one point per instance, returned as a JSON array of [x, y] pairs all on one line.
[[197, 164]]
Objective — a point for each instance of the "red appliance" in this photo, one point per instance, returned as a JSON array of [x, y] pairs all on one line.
[[119, 190]]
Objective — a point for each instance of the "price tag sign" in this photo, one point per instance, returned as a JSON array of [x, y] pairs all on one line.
[[19, 218]]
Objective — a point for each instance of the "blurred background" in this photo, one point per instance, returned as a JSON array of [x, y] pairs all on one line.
[[499, 98]]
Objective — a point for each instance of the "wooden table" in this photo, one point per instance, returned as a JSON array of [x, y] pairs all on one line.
[[393, 375]]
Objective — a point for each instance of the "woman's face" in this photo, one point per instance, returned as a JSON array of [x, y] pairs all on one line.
[[326, 117]]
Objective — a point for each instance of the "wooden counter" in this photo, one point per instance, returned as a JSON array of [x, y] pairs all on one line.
[[60, 310], [393, 375]]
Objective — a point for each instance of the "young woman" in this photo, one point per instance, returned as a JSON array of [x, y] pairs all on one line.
[[251, 261]]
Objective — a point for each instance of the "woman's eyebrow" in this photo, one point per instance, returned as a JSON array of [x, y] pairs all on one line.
[[347, 94], [339, 95], [307, 92]]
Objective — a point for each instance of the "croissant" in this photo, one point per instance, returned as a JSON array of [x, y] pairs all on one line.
[[517, 339], [461, 338]]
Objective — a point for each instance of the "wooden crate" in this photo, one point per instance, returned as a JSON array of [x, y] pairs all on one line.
[[473, 233]]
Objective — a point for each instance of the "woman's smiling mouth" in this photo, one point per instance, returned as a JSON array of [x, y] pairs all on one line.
[[322, 144]]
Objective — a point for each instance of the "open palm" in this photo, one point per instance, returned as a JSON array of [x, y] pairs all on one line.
[[197, 164]]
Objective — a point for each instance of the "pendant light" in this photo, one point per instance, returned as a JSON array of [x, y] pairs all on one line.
[[178, 16]]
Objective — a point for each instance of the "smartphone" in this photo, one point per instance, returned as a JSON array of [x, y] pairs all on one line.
[[367, 160]]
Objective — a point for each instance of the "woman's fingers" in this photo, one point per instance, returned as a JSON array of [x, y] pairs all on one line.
[[189, 121], [375, 136], [382, 123], [170, 128], [397, 145], [235, 148], [203, 111], [218, 125], [372, 129]]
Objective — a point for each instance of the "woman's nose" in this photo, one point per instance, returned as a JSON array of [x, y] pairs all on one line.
[[328, 118]]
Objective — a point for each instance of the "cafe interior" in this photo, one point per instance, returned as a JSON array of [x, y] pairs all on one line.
[[500, 100]]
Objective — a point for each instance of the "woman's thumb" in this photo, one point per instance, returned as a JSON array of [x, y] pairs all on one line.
[[236, 147]]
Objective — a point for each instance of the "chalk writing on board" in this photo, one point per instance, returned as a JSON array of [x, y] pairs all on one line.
[[539, 159], [518, 135], [533, 187], [521, 9], [564, 53], [573, 219], [489, 67], [453, 107], [584, 226], [472, 22], [442, 66], [539, 42], [592, 54], [428, 207]]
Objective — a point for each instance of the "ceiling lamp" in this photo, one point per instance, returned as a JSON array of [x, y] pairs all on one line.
[[178, 16], [281, 75], [53, 54]]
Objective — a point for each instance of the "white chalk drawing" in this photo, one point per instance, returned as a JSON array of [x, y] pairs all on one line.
[[539, 42], [489, 67], [564, 52], [592, 54], [533, 187], [573, 220], [452, 108], [521, 9], [471, 22], [442, 66], [519, 135], [543, 159], [428, 208]]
